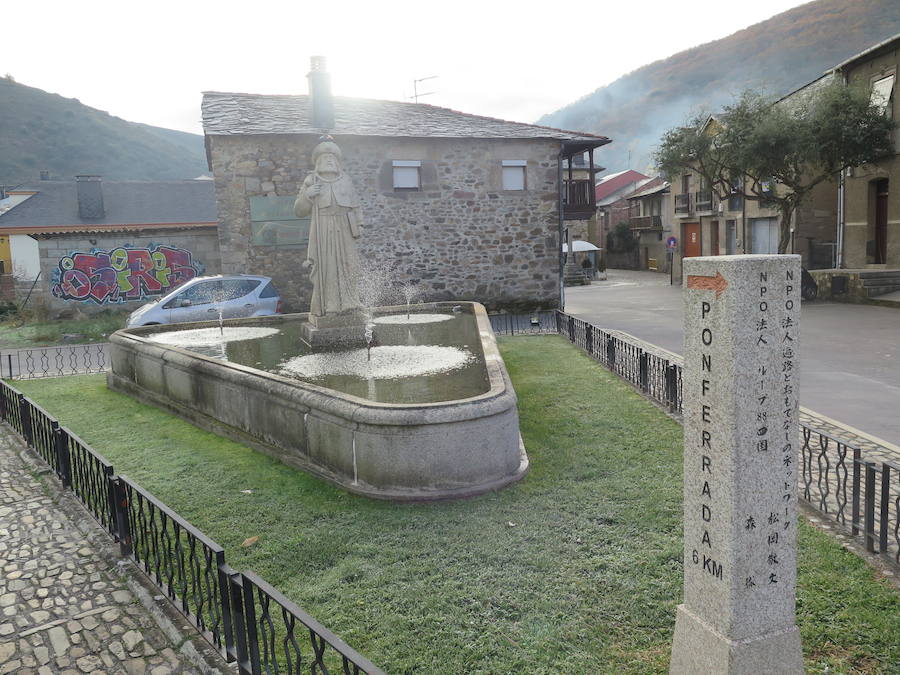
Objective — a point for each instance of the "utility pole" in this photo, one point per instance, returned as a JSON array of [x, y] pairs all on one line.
[[416, 95]]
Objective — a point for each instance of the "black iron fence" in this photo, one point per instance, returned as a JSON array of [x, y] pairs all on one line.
[[861, 495], [835, 479], [34, 362], [522, 324], [656, 373], [246, 619]]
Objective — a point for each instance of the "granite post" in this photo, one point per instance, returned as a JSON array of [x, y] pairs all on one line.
[[741, 358]]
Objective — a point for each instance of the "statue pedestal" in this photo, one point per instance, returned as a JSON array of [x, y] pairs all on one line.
[[347, 329]]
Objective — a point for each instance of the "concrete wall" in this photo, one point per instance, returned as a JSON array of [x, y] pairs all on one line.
[[201, 243], [461, 236]]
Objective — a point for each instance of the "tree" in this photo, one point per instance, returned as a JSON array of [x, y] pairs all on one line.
[[621, 239], [779, 151]]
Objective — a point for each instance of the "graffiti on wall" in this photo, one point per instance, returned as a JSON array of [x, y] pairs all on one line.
[[122, 274]]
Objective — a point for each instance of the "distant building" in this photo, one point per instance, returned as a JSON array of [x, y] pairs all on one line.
[[706, 224], [109, 243], [468, 207], [612, 207], [650, 220]]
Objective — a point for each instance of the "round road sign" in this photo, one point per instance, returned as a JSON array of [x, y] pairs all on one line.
[[671, 242]]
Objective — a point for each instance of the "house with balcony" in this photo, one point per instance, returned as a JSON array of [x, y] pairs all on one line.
[[650, 218], [465, 206], [704, 223], [612, 206]]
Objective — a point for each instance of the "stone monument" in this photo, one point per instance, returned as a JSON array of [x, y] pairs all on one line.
[[741, 358], [328, 197]]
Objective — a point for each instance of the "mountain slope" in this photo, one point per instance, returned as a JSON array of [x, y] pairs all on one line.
[[42, 131], [776, 55]]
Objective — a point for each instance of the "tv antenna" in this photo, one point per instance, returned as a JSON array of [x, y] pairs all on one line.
[[416, 95]]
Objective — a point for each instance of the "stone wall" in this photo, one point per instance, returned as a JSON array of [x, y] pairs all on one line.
[[201, 243], [461, 236]]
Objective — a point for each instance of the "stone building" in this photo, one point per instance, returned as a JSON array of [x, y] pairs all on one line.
[[468, 207]]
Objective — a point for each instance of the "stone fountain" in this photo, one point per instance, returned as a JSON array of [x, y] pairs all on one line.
[[428, 412]]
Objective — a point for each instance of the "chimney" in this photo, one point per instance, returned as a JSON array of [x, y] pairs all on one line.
[[90, 197], [320, 102], [45, 175]]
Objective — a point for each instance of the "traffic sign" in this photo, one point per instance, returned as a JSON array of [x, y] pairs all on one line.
[[671, 242]]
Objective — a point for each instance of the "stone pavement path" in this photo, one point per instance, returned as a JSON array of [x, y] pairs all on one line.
[[64, 608]]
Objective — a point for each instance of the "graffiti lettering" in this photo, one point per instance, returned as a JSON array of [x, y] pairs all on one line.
[[122, 274]]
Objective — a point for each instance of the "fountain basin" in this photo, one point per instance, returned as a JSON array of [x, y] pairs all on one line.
[[405, 451]]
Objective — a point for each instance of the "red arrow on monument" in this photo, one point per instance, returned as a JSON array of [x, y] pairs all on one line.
[[717, 283]]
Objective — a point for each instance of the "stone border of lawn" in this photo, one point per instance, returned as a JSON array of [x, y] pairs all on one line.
[[191, 646]]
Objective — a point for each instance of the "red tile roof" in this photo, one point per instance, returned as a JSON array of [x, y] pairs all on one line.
[[617, 181]]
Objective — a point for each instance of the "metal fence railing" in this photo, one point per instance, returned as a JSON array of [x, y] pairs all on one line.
[[524, 324], [655, 372], [861, 495], [246, 619], [34, 362], [835, 479]]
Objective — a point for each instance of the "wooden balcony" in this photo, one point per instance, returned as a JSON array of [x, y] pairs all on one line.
[[579, 202], [645, 222]]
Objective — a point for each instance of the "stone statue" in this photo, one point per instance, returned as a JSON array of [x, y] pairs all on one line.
[[329, 198]]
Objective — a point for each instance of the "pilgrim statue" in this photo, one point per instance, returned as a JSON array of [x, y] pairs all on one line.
[[329, 198]]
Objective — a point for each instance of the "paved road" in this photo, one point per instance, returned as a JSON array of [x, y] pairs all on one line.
[[850, 356]]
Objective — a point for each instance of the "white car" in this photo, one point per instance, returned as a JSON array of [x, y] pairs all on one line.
[[230, 296]]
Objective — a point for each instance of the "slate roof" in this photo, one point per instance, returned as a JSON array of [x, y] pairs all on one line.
[[129, 205], [231, 114]]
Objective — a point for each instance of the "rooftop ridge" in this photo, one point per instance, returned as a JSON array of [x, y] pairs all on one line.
[[237, 97]]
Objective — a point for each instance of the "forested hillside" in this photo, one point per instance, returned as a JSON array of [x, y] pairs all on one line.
[[42, 131], [777, 56]]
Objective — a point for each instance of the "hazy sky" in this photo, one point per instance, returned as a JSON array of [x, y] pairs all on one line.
[[149, 62]]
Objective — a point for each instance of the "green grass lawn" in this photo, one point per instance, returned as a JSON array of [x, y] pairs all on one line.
[[576, 569], [15, 334]]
